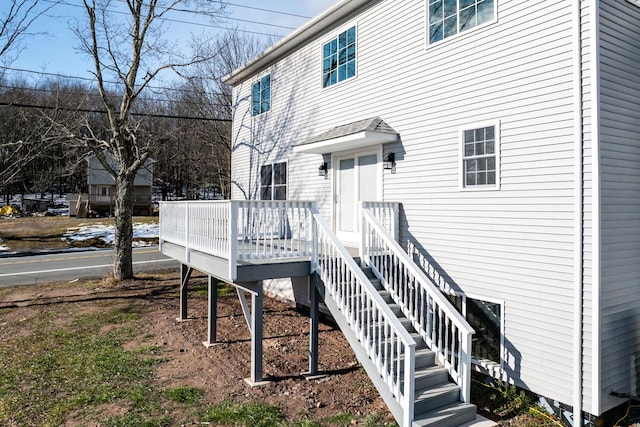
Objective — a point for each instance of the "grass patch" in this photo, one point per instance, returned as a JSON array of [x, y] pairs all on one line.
[[250, 414], [58, 370], [346, 419], [185, 395], [134, 420], [342, 419]]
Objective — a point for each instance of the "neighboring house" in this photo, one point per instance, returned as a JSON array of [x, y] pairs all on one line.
[[102, 189], [509, 134]]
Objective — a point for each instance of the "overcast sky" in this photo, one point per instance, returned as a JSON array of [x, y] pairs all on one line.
[[52, 48]]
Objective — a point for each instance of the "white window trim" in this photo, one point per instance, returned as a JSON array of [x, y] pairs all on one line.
[[495, 369], [258, 79], [272, 163], [459, 34], [336, 33], [461, 130]]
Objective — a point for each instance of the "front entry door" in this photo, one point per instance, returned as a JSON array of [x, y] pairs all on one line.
[[356, 181]]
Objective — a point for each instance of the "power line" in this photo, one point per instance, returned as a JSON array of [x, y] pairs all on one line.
[[91, 79], [90, 110], [145, 99], [266, 10], [201, 24]]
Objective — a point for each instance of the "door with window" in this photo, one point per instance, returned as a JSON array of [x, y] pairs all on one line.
[[357, 179]]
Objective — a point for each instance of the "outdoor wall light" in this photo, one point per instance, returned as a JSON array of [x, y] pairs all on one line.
[[323, 170], [389, 161]]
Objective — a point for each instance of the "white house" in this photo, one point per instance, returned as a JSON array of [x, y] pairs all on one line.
[[508, 135]]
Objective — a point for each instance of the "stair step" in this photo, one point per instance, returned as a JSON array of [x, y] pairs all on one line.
[[429, 377], [428, 400], [452, 415], [386, 296], [405, 322]]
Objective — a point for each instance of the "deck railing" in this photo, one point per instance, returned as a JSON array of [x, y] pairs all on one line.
[[239, 230], [385, 340], [441, 326], [387, 213]]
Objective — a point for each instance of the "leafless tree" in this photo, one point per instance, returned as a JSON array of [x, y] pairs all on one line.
[[16, 23], [127, 42], [213, 98], [18, 144]]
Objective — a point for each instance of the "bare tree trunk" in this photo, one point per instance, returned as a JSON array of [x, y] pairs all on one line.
[[123, 241]]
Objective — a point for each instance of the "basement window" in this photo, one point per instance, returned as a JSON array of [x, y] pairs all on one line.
[[486, 318]]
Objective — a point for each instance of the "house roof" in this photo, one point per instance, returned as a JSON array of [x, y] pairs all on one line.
[[312, 29], [363, 133]]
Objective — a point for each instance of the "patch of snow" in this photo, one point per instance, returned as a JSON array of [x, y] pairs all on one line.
[[106, 233]]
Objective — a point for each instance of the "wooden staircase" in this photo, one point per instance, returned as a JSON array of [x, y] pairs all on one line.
[[437, 399]]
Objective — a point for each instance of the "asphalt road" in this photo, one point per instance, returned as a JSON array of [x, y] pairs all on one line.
[[35, 269]]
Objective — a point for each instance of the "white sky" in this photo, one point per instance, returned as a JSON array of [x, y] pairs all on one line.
[[51, 49]]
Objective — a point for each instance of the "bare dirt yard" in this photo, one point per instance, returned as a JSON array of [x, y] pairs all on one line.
[[101, 353], [34, 319]]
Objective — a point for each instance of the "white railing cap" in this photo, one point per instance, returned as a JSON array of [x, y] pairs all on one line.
[[444, 303], [375, 296]]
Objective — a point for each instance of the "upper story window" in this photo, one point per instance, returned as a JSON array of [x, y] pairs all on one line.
[[273, 181], [450, 17], [261, 95], [339, 58], [480, 162]]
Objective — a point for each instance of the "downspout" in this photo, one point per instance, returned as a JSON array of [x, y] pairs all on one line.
[[578, 182]]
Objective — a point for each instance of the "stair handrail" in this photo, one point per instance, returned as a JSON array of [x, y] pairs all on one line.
[[442, 327], [369, 315]]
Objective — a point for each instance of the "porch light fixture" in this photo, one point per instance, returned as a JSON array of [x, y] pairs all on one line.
[[389, 161], [323, 170]]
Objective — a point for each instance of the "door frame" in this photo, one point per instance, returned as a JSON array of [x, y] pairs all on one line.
[[335, 161]]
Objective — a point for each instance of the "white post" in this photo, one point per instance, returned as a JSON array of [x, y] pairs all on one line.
[[233, 239], [186, 232], [465, 368], [409, 384]]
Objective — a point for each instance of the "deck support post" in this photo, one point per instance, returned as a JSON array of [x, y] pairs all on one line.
[[254, 316], [256, 336], [185, 275], [213, 312], [314, 316]]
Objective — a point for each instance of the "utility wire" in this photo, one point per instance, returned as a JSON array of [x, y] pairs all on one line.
[[145, 99], [90, 110], [92, 79], [201, 24]]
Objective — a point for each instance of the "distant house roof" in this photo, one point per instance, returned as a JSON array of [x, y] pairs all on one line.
[[363, 133], [312, 29]]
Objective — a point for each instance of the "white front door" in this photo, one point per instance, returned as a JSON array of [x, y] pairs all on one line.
[[357, 179]]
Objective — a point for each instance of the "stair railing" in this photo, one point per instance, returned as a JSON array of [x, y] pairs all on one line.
[[441, 326], [385, 340]]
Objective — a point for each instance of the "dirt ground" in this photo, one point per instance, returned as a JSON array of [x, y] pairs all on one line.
[[220, 369]]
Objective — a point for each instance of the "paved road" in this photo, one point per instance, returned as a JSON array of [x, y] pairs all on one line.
[[29, 270]]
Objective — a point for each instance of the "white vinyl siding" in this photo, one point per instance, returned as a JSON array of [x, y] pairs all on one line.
[[514, 245], [588, 212], [620, 193]]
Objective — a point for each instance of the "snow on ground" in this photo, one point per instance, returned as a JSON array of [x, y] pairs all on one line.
[[106, 233], [3, 247]]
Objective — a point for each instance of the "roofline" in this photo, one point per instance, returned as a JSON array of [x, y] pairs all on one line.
[[297, 38]]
